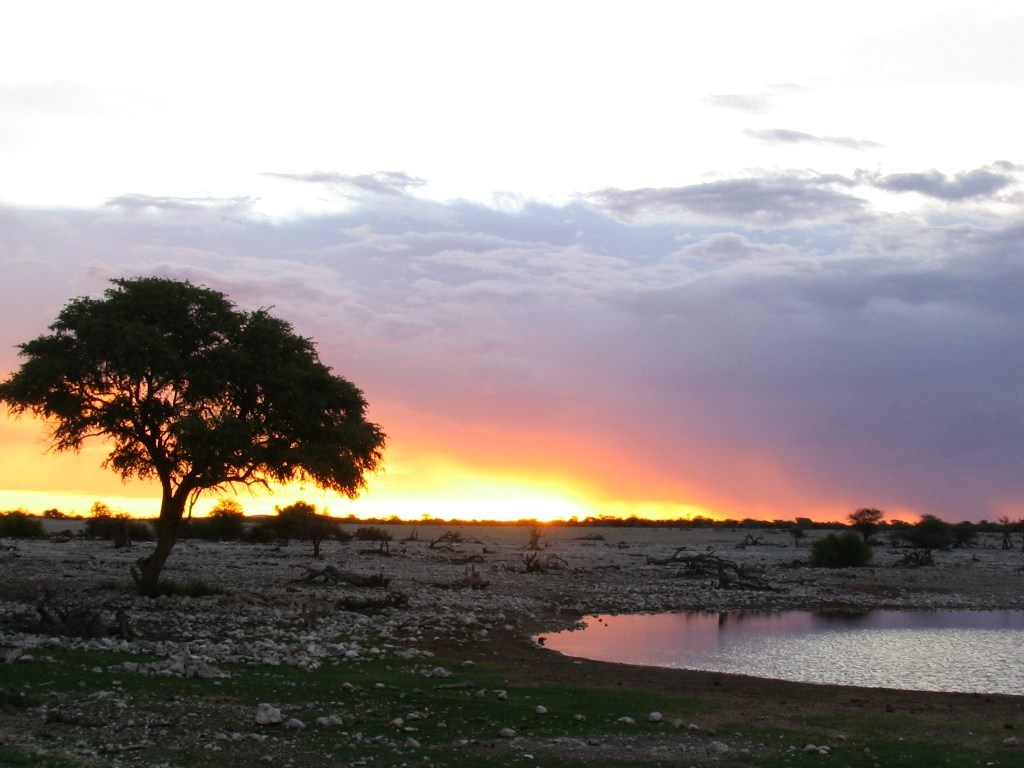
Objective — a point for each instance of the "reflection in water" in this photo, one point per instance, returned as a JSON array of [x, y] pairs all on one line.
[[973, 651]]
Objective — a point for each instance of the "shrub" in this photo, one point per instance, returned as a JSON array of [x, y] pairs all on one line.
[[372, 533], [19, 524], [846, 550], [119, 528], [931, 533], [226, 522], [262, 532]]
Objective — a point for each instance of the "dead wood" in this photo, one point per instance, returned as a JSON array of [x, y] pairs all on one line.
[[725, 574], [917, 558], [534, 563], [372, 604], [471, 580], [447, 540], [467, 560], [330, 574]]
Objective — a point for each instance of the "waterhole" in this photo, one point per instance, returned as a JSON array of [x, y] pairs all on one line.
[[969, 651]]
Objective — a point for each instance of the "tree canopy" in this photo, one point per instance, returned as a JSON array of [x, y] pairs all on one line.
[[196, 393]]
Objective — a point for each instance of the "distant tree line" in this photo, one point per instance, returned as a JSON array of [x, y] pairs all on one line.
[[300, 520]]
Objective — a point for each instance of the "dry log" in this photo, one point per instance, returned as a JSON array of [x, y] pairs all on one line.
[[534, 563], [372, 604], [331, 574], [472, 580]]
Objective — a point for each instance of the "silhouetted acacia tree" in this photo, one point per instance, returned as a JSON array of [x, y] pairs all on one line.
[[866, 520], [194, 393]]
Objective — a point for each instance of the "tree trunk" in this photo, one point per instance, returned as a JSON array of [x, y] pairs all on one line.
[[172, 509]]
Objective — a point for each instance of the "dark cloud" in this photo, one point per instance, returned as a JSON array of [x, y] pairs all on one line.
[[980, 182], [776, 360], [381, 183], [786, 136], [770, 200]]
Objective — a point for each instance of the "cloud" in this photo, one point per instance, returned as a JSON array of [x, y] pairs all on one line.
[[770, 358], [769, 200], [381, 183], [751, 104], [786, 136], [139, 202], [965, 185]]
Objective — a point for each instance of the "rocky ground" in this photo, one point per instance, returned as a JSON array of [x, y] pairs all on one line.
[[471, 599]]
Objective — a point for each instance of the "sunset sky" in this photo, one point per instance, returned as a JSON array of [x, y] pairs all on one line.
[[738, 259]]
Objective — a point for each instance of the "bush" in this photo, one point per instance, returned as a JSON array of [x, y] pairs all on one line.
[[226, 522], [262, 532], [119, 528], [931, 533], [19, 524], [372, 533], [846, 550]]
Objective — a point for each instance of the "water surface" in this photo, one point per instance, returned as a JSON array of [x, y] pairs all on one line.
[[971, 651]]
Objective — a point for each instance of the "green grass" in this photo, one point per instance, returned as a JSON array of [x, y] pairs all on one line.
[[191, 721]]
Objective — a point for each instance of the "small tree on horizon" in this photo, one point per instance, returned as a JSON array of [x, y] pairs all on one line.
[[302, 521], [196, 394], [866, 521]]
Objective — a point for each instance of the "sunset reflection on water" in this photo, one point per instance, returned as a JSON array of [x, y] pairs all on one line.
[[922, 650]]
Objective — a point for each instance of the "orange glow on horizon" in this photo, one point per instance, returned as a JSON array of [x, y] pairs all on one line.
[[429, 471]]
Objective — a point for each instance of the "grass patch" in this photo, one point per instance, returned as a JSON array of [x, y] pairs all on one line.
[[453, 720]]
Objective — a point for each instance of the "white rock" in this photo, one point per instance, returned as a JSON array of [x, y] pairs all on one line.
[[267, 714], [411, 743], [507, 733], [626, 721], [502, 695], [294, 725], [808, 748], [397, 722], [654, 717], [717, 748], [1011, 741], [541, 710], [331, 721]]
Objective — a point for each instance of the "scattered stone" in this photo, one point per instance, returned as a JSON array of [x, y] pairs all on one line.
[[267, 714], [293, 724], [331, 721], [654, 717], [541, 710], [411, 743], [507, 733], [1011, 741], [626, 720], [718, 748], [809, 748]]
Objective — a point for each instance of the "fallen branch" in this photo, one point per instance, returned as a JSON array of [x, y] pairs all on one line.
[[534, 563], [331, 574], [472, 580], [725, 573], [372, 604]]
